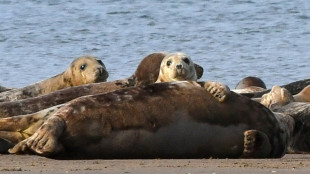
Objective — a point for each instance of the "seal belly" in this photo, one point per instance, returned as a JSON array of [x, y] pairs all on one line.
[[184, 138]]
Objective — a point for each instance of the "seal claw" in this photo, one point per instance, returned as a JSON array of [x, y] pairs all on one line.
[[256, 144], [218, 90]]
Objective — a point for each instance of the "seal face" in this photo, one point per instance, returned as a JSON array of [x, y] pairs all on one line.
[[177, 67], [84, 70]]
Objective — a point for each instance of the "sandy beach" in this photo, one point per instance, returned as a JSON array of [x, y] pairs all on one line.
[[291, 163]]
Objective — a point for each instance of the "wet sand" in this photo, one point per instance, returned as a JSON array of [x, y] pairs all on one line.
[[291, 163]]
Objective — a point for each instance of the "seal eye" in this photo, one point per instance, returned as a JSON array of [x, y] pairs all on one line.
[[169, 63], [186, 60], [83, 67]]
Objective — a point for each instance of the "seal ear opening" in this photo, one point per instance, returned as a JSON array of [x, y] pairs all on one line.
[[199, 70]]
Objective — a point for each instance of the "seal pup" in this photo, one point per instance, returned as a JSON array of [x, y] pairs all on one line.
[[142, 122], [177, 67], [146, 73], [83, 70]]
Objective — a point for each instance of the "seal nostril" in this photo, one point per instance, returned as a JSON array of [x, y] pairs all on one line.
[[179, 66]]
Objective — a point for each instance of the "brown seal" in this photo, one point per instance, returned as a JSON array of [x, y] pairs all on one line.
[[146, 73], [177, 67], [162, 120], [83, 70], [250, 84]]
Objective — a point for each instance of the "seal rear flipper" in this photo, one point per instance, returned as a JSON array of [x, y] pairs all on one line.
[[256, 145]]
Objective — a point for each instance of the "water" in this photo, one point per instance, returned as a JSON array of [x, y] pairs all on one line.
[[230, 39]]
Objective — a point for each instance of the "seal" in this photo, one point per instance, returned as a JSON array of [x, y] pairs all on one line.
[[146, 73], [281, 101], [177, 67], [149, 69], [142, 122], [279, 97], [83, 70], [303, 95], [250, 84]]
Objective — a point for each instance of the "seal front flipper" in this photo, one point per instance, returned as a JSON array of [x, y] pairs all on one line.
[[218, 90], [256, 145]]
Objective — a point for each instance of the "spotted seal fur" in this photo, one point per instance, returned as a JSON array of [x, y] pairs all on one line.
[[142, 122]]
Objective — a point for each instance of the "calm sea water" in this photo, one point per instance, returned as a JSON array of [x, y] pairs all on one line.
[[230, 39]]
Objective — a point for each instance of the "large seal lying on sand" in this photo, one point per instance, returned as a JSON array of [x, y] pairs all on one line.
[[83, 70], [177, 67], [146, 73], [162, 120]]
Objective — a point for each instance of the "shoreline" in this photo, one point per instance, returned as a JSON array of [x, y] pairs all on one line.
[[290, 163]]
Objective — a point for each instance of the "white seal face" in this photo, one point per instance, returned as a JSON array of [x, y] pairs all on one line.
[[177, 67]]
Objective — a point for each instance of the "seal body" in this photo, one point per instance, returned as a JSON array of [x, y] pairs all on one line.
[[163, 120], [175, 67], [83, 70]]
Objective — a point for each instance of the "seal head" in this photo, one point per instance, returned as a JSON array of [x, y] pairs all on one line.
[[176, 67], [84, 70]]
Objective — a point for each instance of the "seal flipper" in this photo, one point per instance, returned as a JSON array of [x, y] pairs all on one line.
[[45, 140], [256, 145], [218, 90]]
